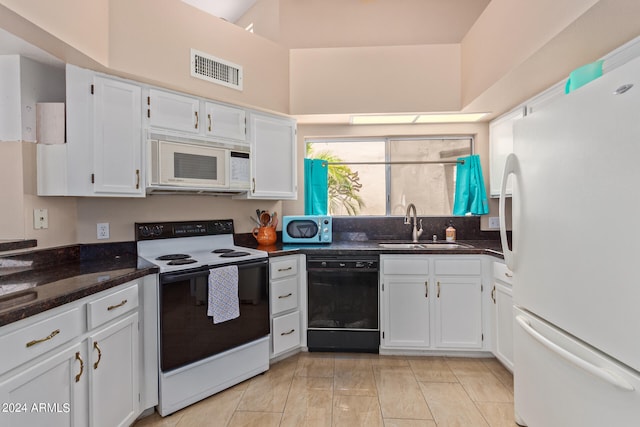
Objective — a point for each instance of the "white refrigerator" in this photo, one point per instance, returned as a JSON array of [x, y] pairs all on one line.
[[576, 256]]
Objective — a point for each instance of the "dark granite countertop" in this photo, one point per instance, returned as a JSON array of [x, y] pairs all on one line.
[[469, 247], [36, 281], [12, 245]]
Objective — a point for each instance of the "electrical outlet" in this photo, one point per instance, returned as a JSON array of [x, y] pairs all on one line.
[[40, 219], [494, 222], [103, 230]]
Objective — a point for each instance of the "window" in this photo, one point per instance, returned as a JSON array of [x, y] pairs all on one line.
[[382, 176]]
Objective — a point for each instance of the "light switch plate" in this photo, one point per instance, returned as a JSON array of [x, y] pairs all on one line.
[[40, 219], [494, 222]]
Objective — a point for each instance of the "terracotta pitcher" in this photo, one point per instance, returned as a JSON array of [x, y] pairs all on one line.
[[265, 235]]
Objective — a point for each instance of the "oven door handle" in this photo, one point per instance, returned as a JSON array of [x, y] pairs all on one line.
[[178, 276]]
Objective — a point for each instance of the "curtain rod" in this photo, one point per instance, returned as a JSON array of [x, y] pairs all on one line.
[[397, 163]]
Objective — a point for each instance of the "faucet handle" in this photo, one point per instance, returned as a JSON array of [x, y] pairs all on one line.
[[420, 224]]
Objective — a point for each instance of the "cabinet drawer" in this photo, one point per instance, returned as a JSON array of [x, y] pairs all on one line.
[[417, 265], [31, 341], [458, 267], [286, 332], [284, 268], [502, 273], [284, 295], [111, 306]]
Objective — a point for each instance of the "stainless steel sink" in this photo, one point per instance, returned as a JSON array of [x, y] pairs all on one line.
[[400, 245], [420, 245], [441, 246]]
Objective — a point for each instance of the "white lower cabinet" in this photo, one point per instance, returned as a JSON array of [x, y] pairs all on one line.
[[53, 392], [405, 294], [284, 289], [503, 303], [113, 374], [458, 312], [89, 378], [431, 302]]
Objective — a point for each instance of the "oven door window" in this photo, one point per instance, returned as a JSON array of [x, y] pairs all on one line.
[[187, 334], [343, 300]]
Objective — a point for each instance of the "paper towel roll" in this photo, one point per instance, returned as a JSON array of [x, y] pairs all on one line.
[[50, 122]]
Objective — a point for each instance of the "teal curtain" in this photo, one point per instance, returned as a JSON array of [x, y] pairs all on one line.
[[583, 75], [470, 196], [316, 192]]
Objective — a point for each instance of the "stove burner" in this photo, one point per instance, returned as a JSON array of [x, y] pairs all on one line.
[[221, 251], [234, 254], [182, 261], [171, 257]]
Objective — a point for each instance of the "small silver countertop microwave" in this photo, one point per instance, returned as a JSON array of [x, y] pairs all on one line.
[[179, 165]]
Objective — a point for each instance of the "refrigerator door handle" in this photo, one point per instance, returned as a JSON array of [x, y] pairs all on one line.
[[597, 371], [510, 167]]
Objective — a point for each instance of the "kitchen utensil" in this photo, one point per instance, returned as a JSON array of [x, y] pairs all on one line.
[[265, 218], [274, 220], [255, 221]]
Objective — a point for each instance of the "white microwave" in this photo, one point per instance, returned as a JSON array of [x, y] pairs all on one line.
[[185, 166]]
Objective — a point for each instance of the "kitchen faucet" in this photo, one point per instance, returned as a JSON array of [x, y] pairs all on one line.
[[415, 233]]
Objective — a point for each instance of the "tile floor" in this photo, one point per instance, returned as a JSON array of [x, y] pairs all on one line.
[[339, 389]]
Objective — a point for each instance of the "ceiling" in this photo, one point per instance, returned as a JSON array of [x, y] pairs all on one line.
[[229, 10], [12, 45], [304, 24]]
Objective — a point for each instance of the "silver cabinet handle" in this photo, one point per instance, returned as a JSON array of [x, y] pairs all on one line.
[[285, 269], [285, 296], [288, 333], [438, 295], [426, 289], [508, 275], [493, 294], [210, 122], [196, 124]]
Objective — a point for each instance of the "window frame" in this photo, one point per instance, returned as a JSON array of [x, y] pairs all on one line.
[[387, 155]]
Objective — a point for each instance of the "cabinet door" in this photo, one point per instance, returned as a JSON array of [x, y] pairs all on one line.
[[458, 312], [406, 311], [504, 324], [225, 122], [273, 147], [117, 137], [113, 372], [48, 392], [174, 112], [500, 146]]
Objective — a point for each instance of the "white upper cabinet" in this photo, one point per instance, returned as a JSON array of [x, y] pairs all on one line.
[[273, 148], [500, 145], [192, 116], [225, 122], [168, 110], [103, 153], [117, 137]]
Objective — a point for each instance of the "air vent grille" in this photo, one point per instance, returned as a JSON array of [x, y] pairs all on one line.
[[216, 70]]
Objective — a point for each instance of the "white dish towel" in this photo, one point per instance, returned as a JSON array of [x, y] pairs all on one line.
[[223, 294]]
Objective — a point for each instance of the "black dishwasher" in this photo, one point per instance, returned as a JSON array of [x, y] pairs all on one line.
[[343, 304]]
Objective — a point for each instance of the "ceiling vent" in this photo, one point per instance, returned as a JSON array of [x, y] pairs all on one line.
[[216, 70]]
